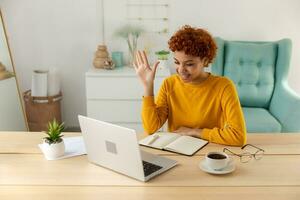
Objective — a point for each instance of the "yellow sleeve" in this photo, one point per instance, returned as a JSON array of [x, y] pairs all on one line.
[[155, 114], [234, 130]]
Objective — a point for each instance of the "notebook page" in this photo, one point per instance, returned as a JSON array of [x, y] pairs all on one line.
[[164, 139], [186, 145]]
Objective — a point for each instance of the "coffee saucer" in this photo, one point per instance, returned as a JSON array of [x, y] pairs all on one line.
[[228, 169]]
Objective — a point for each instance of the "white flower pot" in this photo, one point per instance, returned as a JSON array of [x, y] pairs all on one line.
[[55, 150], [163, 64]]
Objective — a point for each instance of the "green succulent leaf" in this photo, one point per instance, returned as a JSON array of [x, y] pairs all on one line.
[[54, 132], [162, 55], [162, 52]]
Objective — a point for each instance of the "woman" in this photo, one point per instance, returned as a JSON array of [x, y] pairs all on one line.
[[195, 102]]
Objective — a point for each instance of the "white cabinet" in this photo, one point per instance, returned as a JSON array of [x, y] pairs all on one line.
[[115, 95]]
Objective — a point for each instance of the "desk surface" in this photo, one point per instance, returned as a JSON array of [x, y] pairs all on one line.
[[24, 173]]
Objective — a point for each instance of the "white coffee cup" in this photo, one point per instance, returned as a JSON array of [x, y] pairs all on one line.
[[217, 160]]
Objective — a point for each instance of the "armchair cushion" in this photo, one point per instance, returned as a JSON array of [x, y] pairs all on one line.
[[260, 120], [251, 66]]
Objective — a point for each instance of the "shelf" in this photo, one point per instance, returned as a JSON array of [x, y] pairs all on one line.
[[122, 72]]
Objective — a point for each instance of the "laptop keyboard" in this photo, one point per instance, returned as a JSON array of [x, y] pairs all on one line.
[[149, 168]]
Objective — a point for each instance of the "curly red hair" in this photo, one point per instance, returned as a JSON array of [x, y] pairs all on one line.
[[195, 42]]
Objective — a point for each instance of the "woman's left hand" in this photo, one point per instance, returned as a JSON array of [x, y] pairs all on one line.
[[189, 131]]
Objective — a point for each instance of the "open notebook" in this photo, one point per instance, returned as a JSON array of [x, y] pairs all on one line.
[[174, 142]]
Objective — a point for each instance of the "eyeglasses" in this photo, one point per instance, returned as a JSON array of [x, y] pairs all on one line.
[[247, 156]]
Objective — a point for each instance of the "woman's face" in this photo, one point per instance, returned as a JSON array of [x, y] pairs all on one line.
[[189, 68]]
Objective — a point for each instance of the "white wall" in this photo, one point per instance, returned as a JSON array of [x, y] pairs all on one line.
[[65, 33], [54, 33]]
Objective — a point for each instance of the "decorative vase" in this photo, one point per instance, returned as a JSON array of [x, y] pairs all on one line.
[[54, 150], [102, 59], [117, 57]]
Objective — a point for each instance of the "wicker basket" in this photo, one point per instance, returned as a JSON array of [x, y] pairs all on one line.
[[41, 110]]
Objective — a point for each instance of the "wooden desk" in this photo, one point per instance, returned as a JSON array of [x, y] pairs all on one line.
[[25, 174]]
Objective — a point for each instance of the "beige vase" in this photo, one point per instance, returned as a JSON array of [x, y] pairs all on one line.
[[102, 59]]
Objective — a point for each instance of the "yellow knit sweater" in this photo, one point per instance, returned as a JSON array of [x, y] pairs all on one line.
[[212, 106]]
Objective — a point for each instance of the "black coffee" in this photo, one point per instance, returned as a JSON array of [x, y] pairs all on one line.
[[216, 156]]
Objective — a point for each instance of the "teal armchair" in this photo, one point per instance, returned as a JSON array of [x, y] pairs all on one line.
[[259, 71]]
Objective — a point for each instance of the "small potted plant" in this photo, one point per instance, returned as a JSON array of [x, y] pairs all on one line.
[[162, 57], [53, 146]]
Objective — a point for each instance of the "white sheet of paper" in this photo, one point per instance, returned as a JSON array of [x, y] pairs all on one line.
[[164, 139], [186, 145], [74, 146]]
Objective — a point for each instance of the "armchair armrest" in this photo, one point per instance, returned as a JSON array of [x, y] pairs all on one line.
[[285, 106]]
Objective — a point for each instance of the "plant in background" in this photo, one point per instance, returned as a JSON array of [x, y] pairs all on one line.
[[162, 55], [54, 132], [130, 34]]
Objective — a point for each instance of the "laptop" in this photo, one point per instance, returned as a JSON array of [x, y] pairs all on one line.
[[116, 148]]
